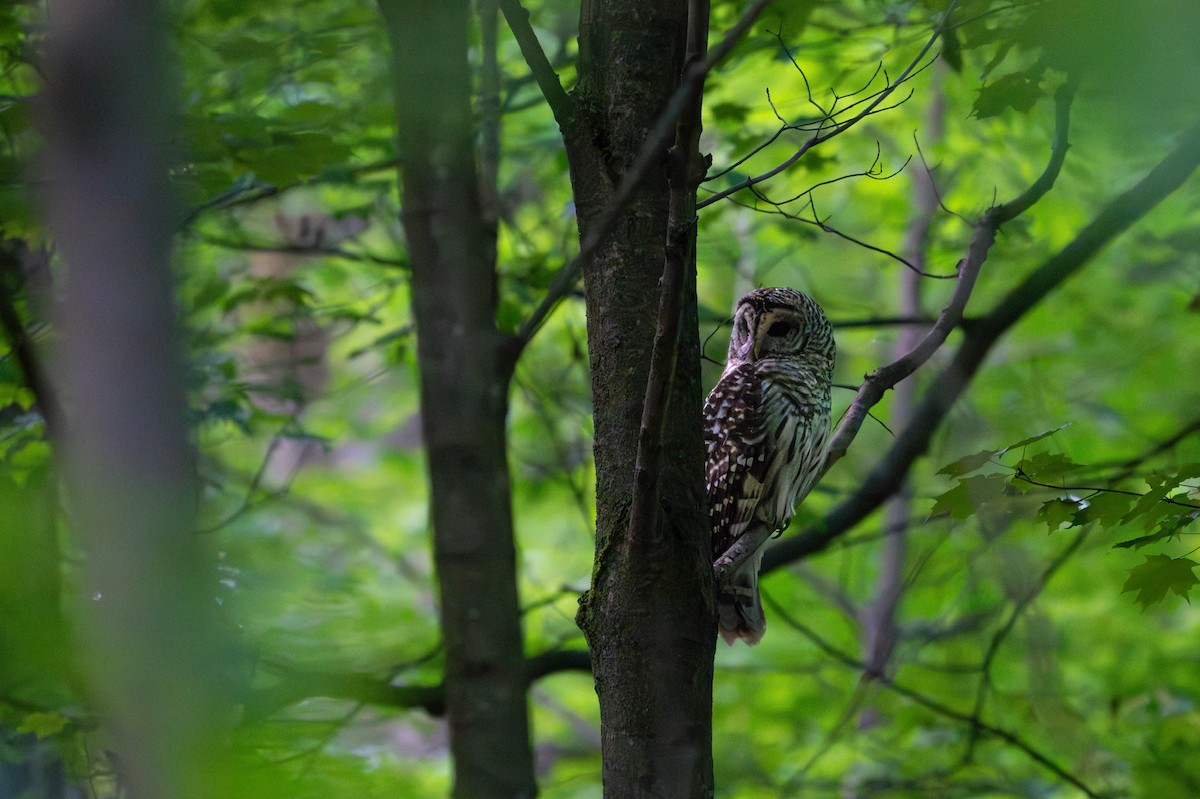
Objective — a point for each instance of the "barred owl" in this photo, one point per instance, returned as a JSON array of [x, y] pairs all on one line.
[[766, 424]]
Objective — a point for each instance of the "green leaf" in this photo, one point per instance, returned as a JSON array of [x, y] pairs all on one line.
[[1057, 512], [1138, 543], [1046, 466], [1169, 526], [1024, 442], [968, 464], [1159, 488], [1158, 575], [1018, 91], [952, 50], [964, 499], [735, 113], [1106, 508], [311, 112], [1189, 471]]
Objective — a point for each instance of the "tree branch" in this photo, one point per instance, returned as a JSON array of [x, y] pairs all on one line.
[[562, 105], [889, 473], [840, 127], [18, 339], [1019, 607], [973, 721], [652, 150], [296, 686], [686, 171], [303, 249], [881, 380]]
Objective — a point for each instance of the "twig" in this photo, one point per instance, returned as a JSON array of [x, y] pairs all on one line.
[[973, 721], [878, 382], [985, 678], [1127, 466], [888, 474], [822, 134], [561, 104], [300, 249], [369, 689], [652, 150]]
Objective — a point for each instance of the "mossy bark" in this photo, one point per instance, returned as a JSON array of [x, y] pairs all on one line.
[[647, 616], [465, 373]]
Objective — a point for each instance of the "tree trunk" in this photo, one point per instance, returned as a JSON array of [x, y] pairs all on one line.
[[153, 659], [880, 629], [648, 616], [465, 369]]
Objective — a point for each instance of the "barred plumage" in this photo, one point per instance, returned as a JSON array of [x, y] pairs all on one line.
[[766, 423]]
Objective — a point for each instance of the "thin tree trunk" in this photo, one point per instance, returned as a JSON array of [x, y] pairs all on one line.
[[152, 656], [880, 630], [648, 616], [465, 372]]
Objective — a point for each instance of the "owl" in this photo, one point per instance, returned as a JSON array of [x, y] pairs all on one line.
[[766, 425]]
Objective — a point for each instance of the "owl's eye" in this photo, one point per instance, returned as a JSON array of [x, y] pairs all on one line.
[[780, 329]]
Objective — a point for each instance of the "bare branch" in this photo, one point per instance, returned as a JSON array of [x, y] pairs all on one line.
[[824, 225], [248, 194], [295, 686], [822, 135], [686, 170], [1063, 99], [561, 104], [889, 473], [882, 321], [878, 382], [1127, 466], [972, 720], [985, 679], [302, 249]]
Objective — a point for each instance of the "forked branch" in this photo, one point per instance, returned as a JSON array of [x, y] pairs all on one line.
[[828, 128], [881, 380], [889, 473]]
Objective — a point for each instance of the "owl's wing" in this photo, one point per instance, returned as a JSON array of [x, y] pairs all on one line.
[[735, 431]]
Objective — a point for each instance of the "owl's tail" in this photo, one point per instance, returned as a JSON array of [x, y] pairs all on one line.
[[739, 607]]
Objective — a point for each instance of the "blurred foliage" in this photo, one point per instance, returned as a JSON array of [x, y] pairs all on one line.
[[302, 372]]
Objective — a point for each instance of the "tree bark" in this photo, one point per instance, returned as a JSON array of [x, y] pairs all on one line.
[[880, 630], [153, 656], [465, 369], [648, 615]]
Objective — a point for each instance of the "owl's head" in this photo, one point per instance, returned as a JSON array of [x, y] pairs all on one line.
[[779, 323]]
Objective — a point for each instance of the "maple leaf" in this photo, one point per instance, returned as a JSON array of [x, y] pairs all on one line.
[[968, 464], [1158, 575], [1057, 512], [964, 499]]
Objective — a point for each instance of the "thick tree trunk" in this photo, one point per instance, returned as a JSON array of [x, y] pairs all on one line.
[[464, 385], [648, 616], [153, 658]]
